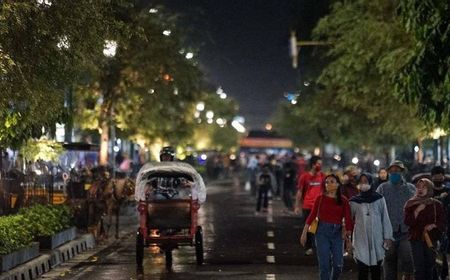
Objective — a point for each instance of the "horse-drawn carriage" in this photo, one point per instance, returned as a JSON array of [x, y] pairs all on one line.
[[169, 196]]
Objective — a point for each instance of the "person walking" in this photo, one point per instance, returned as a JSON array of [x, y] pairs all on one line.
[[396, 191], [349, 188], [265, 182], [382, 177], [330, 208], [441, 193], [426, 219], [289, 176], [308, 189], [372, 231]]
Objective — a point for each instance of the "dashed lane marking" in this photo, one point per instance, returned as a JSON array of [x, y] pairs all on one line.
[[270, 277], [270, 233], [270, 259], [271, 246]]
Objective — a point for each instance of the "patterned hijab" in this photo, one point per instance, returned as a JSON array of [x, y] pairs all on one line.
[[427, 199]]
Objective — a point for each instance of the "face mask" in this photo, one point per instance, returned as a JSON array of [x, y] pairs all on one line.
[[331, 187], [364, 187], [395, 178], [438, 184]]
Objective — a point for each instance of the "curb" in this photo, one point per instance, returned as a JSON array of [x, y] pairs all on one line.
[[49, 259]]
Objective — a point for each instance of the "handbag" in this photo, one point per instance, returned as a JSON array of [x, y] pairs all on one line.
[[315, 223]]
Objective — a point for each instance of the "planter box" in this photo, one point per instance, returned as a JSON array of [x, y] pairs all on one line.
[[53, 241], [19, 257]]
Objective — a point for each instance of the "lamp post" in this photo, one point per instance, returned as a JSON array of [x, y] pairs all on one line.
[[296, 45]]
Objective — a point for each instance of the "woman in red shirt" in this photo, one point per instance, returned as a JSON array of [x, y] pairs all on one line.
[[333, 210], [426, 219]]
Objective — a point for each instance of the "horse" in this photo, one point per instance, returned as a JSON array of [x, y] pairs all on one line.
[[116, 194]]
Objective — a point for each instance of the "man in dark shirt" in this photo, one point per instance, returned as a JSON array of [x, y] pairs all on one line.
[[441, 193], [289, 183], [265, 181]]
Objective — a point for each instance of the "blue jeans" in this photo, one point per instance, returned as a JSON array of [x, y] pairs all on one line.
[[330, 250]]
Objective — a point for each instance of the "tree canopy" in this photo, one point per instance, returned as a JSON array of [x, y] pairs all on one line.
[[354, 103], [425, 79]]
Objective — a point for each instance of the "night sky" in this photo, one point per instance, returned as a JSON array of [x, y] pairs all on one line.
[[244, 47]]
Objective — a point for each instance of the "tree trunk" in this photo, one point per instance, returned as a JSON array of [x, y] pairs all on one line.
[[104, 142]]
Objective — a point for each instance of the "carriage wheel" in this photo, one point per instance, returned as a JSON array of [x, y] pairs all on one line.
[[139, 249], [168, 253], [199, 245]]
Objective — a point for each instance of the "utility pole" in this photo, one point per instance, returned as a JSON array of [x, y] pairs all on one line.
[[296, 45]]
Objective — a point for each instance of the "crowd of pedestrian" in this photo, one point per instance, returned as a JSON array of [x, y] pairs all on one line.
[[391, 227]]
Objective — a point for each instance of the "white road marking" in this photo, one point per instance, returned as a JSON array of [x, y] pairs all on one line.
[[269, 219], [271, 246], [270, 259], [270, 233], [270, 277]]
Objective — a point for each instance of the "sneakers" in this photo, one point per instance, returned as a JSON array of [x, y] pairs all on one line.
[[309, 252]]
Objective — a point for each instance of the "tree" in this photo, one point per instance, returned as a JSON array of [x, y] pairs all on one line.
[[425, 79], [148, 88], [355, 104], [43, 44], [216, 133]]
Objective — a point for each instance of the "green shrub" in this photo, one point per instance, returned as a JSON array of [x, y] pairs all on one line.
[[13, 234], [43, 220], [17, 231]]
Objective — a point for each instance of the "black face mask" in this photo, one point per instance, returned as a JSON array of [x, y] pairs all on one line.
[[438, 184]]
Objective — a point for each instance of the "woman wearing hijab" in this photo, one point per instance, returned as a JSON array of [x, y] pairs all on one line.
[[330, 208], [372, 232], [425, 217]]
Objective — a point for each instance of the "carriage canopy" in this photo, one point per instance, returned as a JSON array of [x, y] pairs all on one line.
[[169, 168]]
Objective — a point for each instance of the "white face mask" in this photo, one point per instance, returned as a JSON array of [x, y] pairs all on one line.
[[364, 187]]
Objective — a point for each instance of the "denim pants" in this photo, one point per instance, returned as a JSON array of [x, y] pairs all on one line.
[[424, 260], [330, 250]]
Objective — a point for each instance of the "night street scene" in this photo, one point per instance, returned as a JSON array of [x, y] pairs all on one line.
[[224, 139]]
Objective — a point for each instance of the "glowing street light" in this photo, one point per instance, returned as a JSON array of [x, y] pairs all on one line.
[[167, 32], [189, 55], [376, 162], [110, 48], [223, 96], [200, 106], [210, 114], [63, 43], [153, 11], [355, 160], [238, 126]]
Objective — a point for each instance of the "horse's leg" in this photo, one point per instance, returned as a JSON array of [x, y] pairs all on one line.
[[109, 213], [117, 219]]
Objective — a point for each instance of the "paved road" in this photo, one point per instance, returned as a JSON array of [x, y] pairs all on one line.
[[238, 245]]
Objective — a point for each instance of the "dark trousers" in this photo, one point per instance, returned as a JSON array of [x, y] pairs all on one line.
[[364, 271], [424, 260], [310, 237], [288, 194], [262, 195]]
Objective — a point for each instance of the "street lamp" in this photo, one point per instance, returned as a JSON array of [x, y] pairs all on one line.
[[295, 46]]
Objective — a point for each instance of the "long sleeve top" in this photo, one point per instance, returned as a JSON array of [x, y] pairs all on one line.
[[425, 217], [372, 227], [331, 212], [396, 197]]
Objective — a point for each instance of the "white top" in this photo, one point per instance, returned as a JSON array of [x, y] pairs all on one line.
[[198, 189], [372, 227]]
